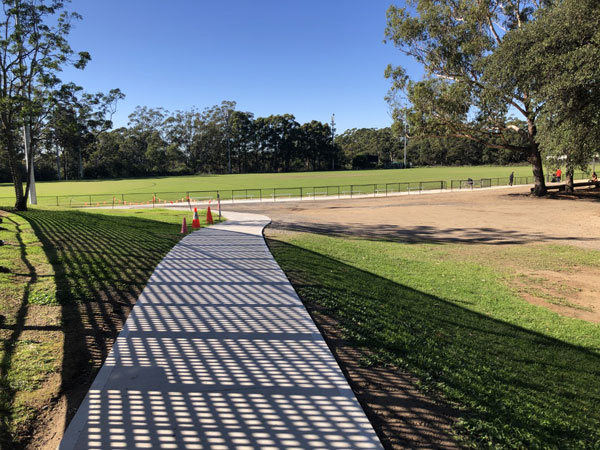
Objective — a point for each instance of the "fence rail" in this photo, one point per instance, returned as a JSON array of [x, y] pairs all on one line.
[[504, 181], [158, 199]]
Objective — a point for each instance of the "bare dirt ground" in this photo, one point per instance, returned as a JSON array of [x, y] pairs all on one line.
[[499, 216], [402, 416]]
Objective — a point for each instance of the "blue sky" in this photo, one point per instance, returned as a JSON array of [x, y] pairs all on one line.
[[308, 58]]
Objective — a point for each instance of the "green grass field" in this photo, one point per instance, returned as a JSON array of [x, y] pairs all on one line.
[[522, 375], [269, 180]]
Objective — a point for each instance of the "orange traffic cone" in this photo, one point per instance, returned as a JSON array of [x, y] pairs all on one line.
[[196, 221], [184, 229], [209, 218]]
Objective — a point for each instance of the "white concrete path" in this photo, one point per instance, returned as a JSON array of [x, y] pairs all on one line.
[[220, 353]]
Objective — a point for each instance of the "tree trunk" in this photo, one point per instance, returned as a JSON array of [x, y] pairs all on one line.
[[569, 179], [15, 172], [58, 162], [535, 158], [80, 165]]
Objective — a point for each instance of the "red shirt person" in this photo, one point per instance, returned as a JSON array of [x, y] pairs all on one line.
[[558, 174]]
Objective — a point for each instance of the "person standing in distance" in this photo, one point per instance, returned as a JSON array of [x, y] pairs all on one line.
[[511, 178]]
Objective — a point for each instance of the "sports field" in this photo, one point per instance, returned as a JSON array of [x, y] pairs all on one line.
[[266, 180]]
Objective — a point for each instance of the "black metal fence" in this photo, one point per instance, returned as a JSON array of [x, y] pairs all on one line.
[[505, 181], [159, 199]]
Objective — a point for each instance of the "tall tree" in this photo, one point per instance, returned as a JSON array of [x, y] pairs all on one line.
[[559, 55], [458, 97], [33, 49]]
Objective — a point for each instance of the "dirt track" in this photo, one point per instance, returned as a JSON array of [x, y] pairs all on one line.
[[500, 216]]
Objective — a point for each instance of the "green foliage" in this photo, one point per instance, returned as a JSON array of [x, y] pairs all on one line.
[[33, 50], [157, 142], [460, 95], [523, 376], [566, 79]]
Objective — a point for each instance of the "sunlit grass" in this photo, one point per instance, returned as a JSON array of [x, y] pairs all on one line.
[[524, 376], [182, 184]]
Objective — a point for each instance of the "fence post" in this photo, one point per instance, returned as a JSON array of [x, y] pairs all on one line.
[[260, 194], [374, 190], [113, 202], [153, 200], [90, 200], [351, 189], [57, 200]]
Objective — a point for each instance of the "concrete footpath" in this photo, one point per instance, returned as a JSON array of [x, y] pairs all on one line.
[[220, 353]]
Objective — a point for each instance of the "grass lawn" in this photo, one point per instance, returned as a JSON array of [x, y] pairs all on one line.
[[183, 184], [68, 280], [523, 376]]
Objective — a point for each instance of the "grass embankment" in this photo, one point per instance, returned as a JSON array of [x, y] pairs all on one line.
[[523, 376], [68, 280], [183, 184]]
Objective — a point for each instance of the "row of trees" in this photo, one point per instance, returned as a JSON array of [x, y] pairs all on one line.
[[516, 75], [76, 142], [369, 148], [218, 139]]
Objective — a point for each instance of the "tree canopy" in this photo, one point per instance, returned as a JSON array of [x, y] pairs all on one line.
[[33, 49], [460, 96]]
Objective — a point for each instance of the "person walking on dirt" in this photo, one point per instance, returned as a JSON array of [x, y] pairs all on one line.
[[511, 178]]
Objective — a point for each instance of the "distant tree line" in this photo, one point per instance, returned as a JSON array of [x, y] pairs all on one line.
[[76, 143], [219, 139], [371, 148]]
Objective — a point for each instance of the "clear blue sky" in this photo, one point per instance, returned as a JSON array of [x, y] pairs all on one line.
[[308, 58]]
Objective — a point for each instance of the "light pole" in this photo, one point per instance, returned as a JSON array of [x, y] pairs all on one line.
[[228, 115], [333, 141], [405, 137]]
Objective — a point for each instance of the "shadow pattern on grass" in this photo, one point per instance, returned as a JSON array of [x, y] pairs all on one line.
[[101, 265], [7, 392], [517, 388]]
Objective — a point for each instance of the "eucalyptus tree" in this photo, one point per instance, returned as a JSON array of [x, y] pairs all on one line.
[[73, 123], [182, 129], [458, 96], [559, 55], [33, 49], [241, 131], [316, 146]]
